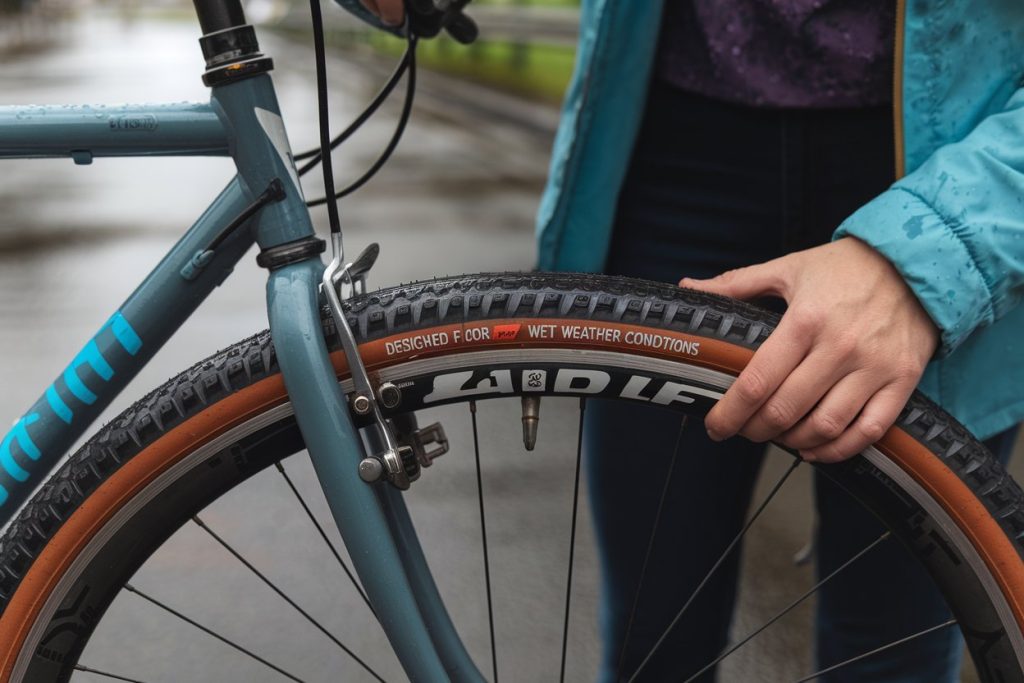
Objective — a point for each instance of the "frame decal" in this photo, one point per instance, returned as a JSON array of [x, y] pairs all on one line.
[[93, 363]]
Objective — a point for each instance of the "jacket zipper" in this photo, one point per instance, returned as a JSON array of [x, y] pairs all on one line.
[[897, 89]]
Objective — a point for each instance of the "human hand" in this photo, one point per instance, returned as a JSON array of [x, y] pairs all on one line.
[[391, 12], [843, 361]]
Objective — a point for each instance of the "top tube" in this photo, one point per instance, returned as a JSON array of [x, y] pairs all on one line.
[[86, 132]]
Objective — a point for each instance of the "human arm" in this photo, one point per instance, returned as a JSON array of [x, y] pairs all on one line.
[[380, 13], [846, 356], [953, 231], [391, 12]]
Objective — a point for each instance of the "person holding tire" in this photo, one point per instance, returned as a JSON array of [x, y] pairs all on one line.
[[859, 164]]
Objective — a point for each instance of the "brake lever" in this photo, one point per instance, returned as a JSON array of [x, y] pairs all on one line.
[[427, 18]]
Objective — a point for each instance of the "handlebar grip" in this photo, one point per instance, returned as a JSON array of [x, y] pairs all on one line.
[[427, 18], [463, 29]]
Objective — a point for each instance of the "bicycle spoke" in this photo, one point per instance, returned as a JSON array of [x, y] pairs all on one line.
[[811, 591], [270, 584], [572, 537], [483, 535], [88, 670], [895, 643], [132, 589], [707, 577], [323, 535], [650, 548]]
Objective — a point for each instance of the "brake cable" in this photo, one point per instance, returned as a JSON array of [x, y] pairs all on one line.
[[395, 463], [396, 137], [370, 110]]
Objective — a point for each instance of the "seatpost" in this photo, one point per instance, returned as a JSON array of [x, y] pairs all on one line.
[[217, 15]]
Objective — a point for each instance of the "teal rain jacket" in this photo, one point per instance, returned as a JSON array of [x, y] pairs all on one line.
[[953, 224]]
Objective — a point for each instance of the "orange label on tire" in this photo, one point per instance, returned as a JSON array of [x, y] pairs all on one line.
[[506, 332]]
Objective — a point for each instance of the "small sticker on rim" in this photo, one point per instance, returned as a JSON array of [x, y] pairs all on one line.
[[535, 380]]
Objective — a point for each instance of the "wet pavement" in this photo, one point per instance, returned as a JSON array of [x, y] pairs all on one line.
[[459, 196]]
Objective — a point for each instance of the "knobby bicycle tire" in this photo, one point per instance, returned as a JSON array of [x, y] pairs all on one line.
[[105, 510]]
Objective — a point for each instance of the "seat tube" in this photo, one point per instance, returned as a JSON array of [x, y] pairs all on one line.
[[218, 15]]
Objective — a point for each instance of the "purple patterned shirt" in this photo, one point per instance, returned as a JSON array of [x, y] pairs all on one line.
[[781, 53]]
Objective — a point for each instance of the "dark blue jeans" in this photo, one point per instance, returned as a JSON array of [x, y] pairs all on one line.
[[714, 186]]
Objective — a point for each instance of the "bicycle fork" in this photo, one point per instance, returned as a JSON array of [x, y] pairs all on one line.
[[373, 522], [372, 518]]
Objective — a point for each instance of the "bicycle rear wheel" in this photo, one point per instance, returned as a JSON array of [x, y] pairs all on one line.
[[76, 545]]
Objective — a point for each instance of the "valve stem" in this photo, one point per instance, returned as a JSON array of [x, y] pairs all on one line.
[[531, 418]]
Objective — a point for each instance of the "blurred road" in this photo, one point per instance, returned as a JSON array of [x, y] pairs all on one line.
[[459, 196]]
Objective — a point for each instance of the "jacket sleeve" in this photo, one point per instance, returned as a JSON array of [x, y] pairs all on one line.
[[954, 227]]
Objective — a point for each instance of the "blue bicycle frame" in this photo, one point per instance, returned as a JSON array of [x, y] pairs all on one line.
[[242, 120]]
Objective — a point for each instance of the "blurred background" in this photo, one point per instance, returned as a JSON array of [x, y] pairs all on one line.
[[458, 196]]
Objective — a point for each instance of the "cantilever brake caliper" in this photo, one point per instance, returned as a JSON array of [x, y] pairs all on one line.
[[390, 464]]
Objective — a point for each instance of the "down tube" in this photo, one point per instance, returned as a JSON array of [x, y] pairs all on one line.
[[115, 354], [335, 449]]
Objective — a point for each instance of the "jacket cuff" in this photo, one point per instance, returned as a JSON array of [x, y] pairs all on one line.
[[928, 251]]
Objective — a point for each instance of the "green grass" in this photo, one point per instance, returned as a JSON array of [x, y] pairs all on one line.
[[538, 71]]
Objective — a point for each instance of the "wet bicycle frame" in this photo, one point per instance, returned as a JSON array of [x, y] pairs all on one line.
[[242, 120]]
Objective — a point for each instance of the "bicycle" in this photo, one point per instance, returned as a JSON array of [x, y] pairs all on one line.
[[329, 368]]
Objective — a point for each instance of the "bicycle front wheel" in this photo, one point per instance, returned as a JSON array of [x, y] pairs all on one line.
[[78, 542]]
